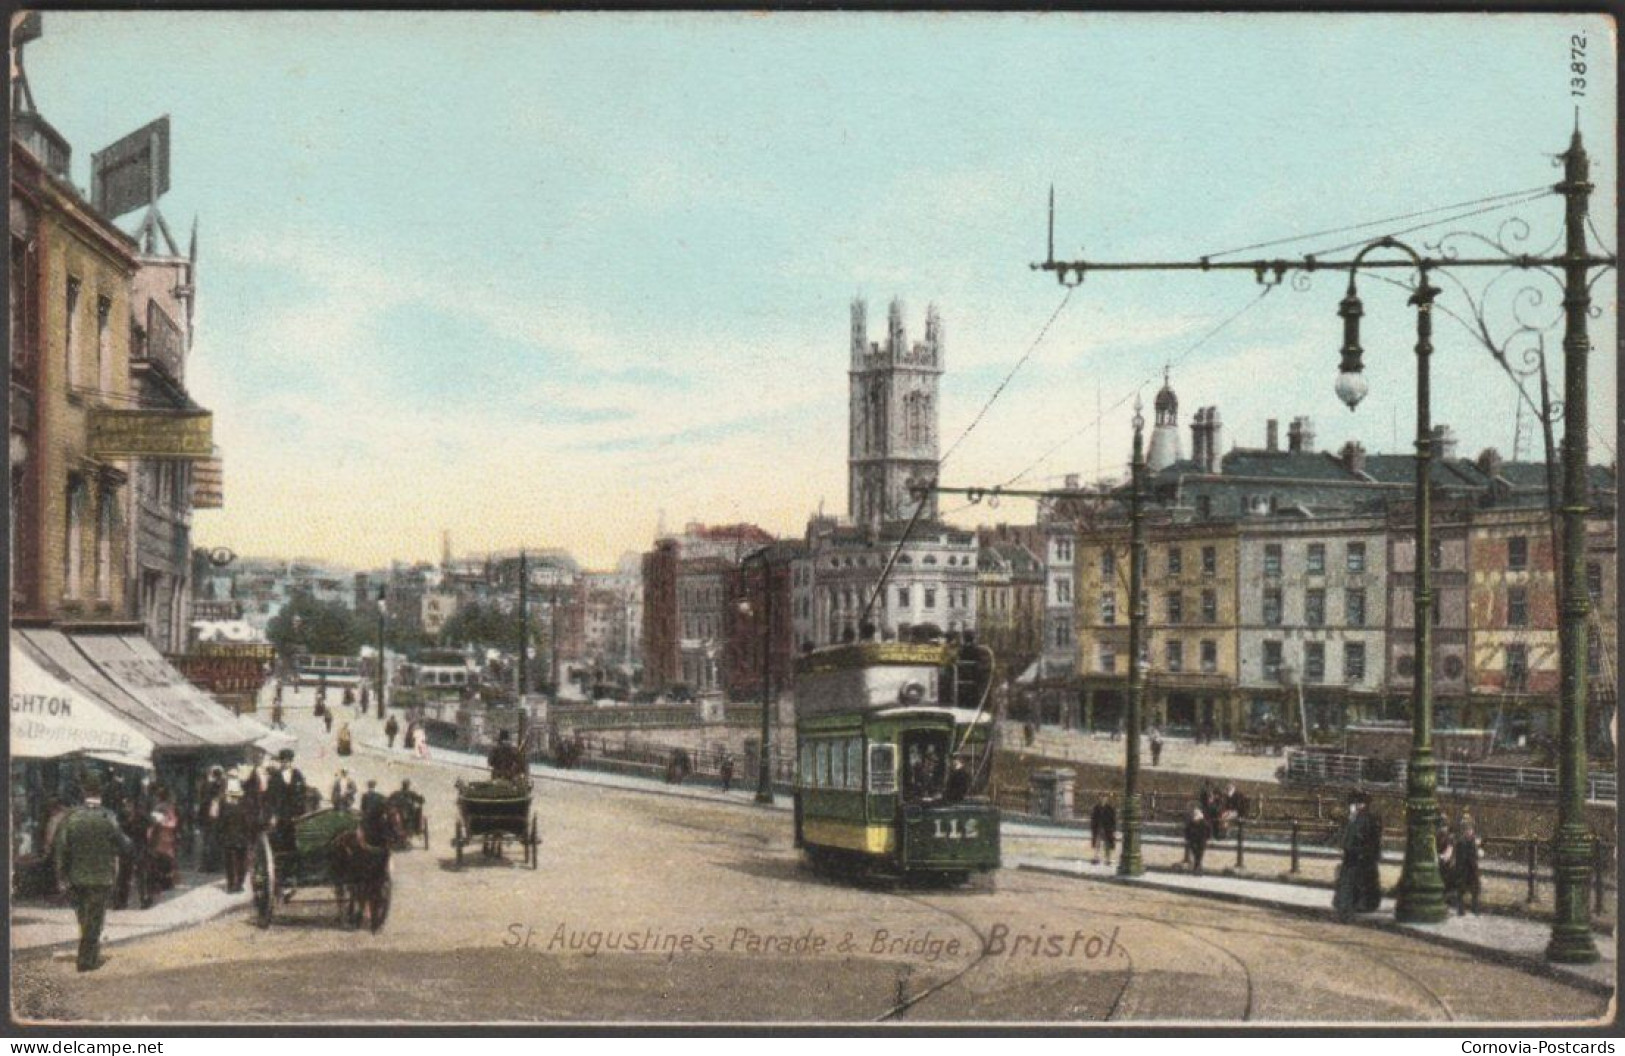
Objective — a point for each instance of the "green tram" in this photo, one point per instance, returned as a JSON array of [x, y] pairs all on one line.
[[877, 727]]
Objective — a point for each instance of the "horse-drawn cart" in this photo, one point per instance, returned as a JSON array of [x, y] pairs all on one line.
[[329, 854], [496, 813]]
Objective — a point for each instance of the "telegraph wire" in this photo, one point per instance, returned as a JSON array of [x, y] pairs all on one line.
[[1204, 339], [1532, 191]]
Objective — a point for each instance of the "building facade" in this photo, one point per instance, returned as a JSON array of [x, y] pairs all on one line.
[[71, 275]]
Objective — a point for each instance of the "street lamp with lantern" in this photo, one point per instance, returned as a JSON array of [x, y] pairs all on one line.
[[1130, 863], [1421, 888], [764, 769]]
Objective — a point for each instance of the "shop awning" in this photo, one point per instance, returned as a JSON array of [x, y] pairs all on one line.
[[267, 739], [133, 662], [52, 716], [126, 673]]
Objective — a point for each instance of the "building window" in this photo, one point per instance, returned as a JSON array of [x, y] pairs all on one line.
[[1176, 655], [1272, 660], [1176, 607], [1107, 656], [1210, 606], [1517, 607], [104, 545], [1210, 560], [1317, 558], [104, 345], [1518, 553], [1210, 656], [902, 597], [1063, 590], [1594, 582], [1063, 551], [1354, 608], [1272, 559], [1272, 606], [1593, 652], [1063, 633], [1204, 506], [1353, 662], [74, 555], [930, 597], [1314, 661], [1356, 557], [1517, 668], [1314, 607], [1435, 553], [1108, 563], [1108, 607], [1176, 561], [70, 331]]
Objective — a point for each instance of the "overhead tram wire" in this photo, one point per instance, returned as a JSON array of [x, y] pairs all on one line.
[[1431, 223], [1184, 355], [919, 507], [1532, 191]]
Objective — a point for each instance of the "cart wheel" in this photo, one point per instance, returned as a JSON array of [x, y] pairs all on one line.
[[535, 843], [263, 883], [457, 842]]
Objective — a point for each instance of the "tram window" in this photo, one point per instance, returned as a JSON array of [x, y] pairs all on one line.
[[825, 765], [925, 761], [854, 763], [882, 769], [806, 765]]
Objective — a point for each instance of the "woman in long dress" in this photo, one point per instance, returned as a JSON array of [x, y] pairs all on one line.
[[420, 742]]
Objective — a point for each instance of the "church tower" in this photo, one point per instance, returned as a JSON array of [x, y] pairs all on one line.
[[893, 417], [1164, 450]]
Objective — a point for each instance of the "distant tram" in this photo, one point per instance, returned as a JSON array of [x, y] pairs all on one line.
[[877, 726], [313, 669]]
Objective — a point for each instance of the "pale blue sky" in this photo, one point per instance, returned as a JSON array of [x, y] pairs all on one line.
[[538, 277]]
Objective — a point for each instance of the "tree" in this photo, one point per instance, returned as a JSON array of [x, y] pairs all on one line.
[[305, 625], [485, 626]]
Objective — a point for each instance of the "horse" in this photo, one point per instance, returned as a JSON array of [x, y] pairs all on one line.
[[361, 873]]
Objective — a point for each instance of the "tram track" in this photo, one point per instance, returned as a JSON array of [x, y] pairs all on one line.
[[1365, 950], [901, 1007]]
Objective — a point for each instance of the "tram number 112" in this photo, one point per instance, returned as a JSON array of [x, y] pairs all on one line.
[[955, 828]]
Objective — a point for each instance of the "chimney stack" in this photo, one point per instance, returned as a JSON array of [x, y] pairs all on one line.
[[1072, 482], [1300, 436], [1215, 441], [1444, 442], [1353, 458], [1489, 462], [1272, 435], [1199, 437]]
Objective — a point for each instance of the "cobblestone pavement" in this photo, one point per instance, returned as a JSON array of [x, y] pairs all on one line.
[[653, 908]]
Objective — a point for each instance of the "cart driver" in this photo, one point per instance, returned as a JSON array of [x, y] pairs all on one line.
[[505, 761]]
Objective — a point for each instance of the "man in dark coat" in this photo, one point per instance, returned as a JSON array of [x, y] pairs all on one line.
[[1467, 881], [285, 791], [958, 786], [1359, 888], [391, 729], [236, 831], [1103, 827], [87, 857], [375, 816], [505, 761]]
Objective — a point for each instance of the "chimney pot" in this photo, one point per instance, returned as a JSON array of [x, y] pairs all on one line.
[[1272, 435]]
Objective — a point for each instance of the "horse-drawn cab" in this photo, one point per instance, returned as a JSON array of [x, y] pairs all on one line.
[[326, 850]]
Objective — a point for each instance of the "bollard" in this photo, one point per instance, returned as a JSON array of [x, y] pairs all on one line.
[[1531, 871], [1241, 828], [1294, 846]]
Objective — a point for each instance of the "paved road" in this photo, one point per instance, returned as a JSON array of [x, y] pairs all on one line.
[[647, 908]]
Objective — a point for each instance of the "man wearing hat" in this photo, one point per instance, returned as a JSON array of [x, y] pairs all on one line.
[[236, 833], [285, 791], [87, 854], [1359, 888]]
